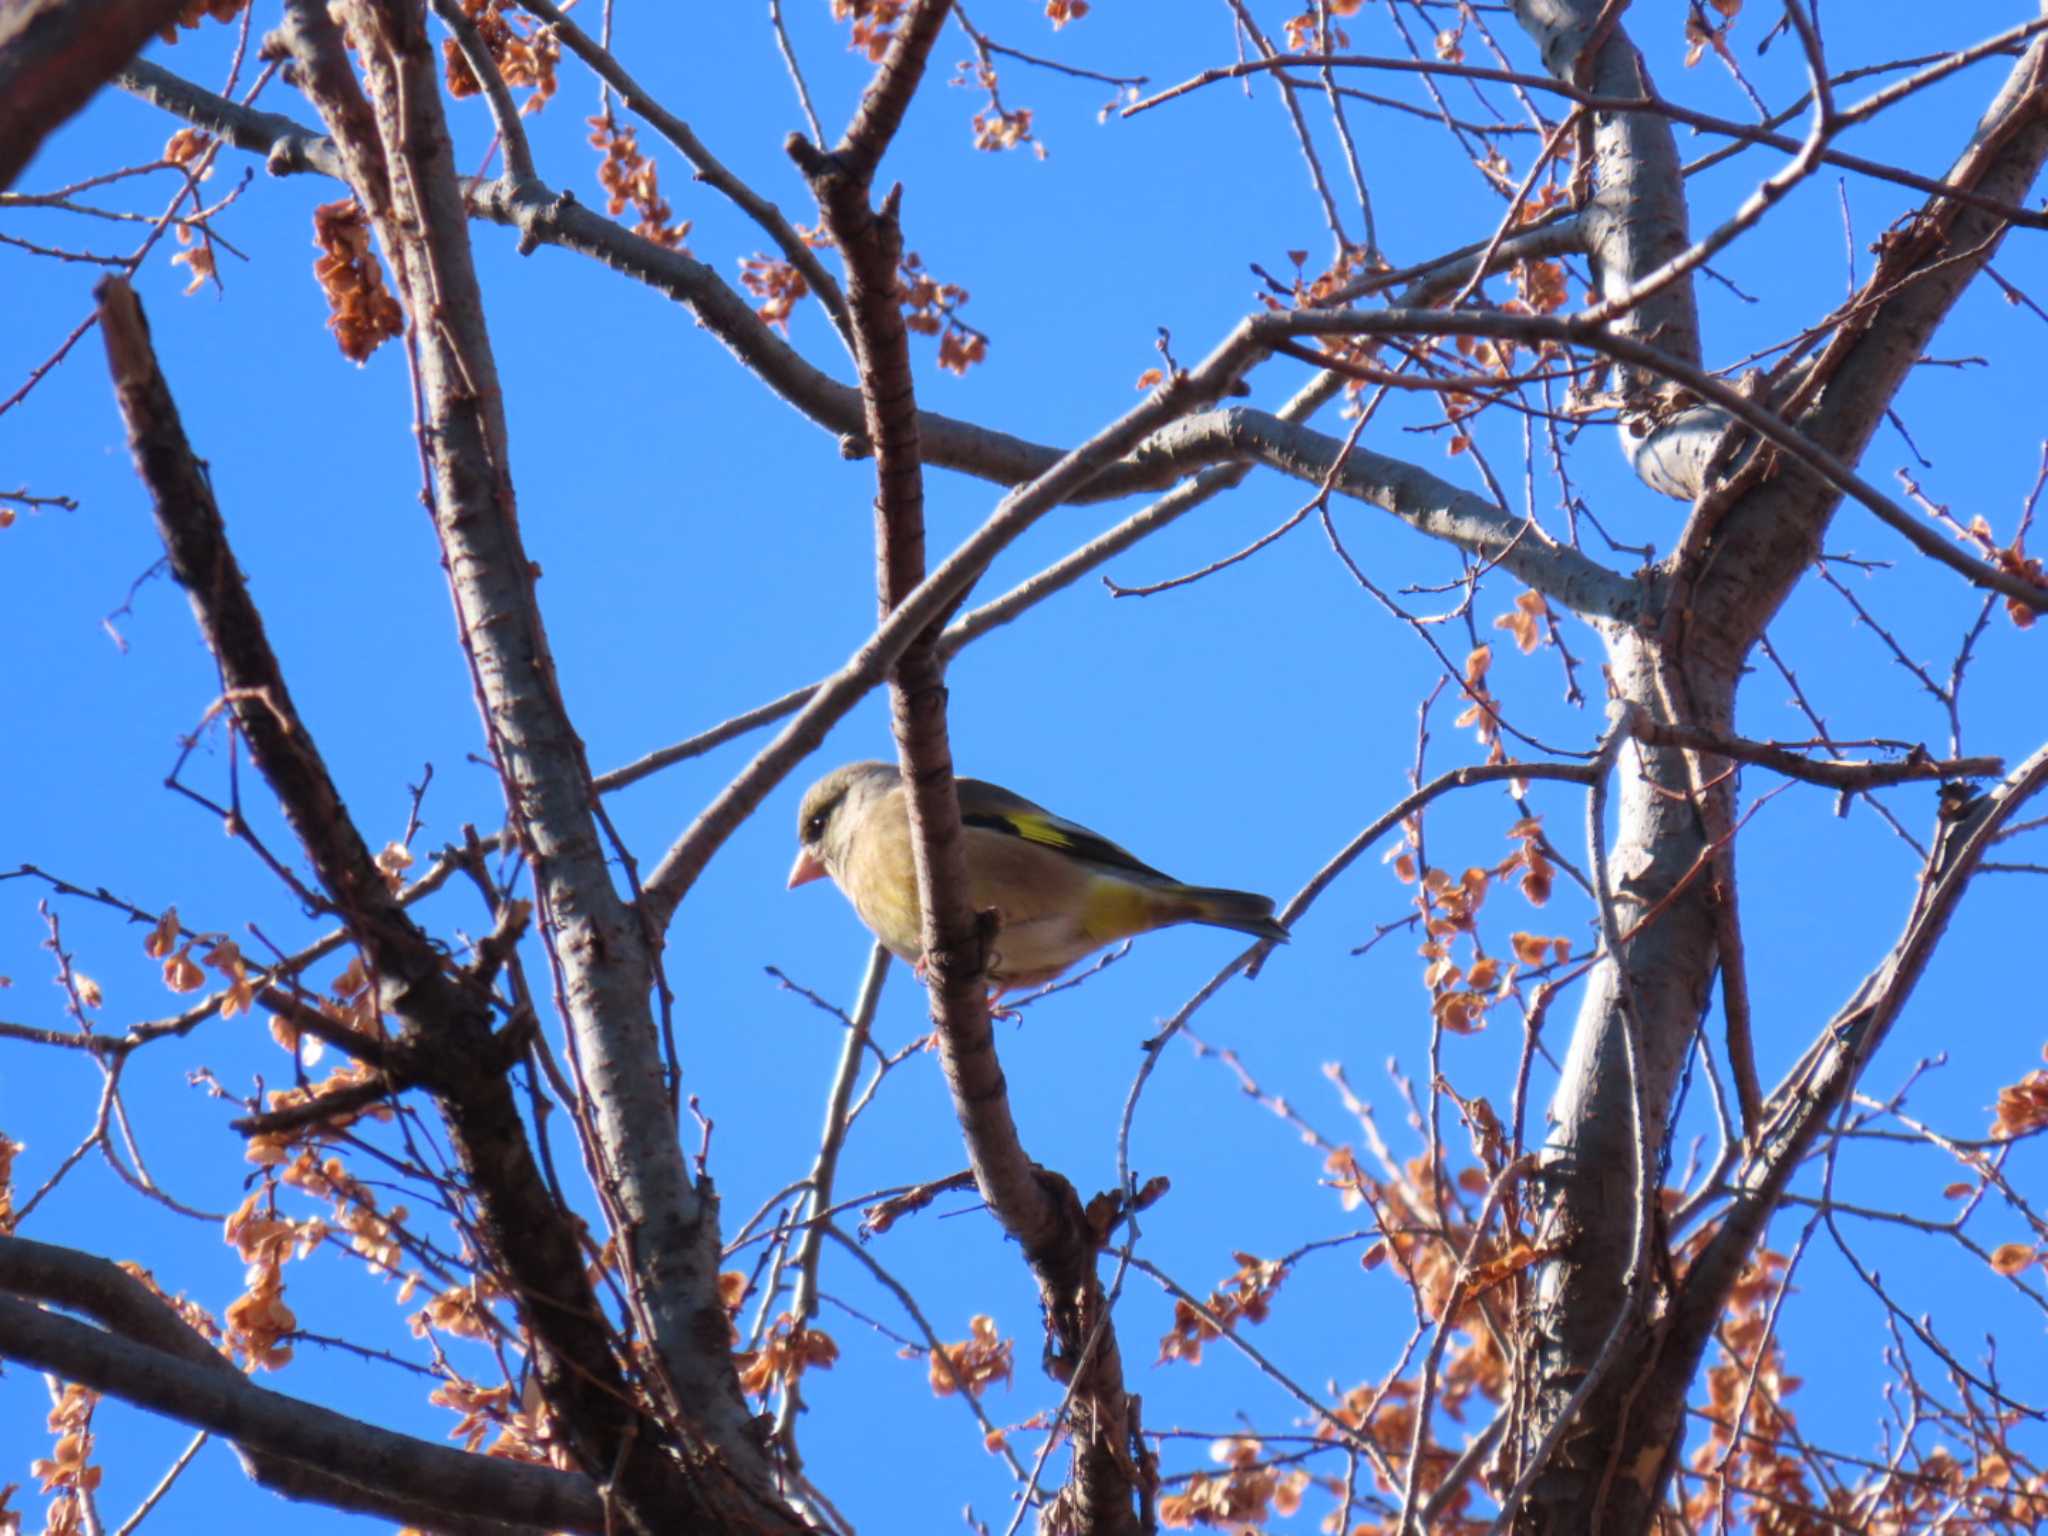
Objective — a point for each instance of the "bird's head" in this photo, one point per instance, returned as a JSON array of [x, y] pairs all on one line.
[[832, 808]]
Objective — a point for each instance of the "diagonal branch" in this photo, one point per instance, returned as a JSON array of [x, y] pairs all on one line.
[[447, 1041], [933, 597], [288, 148], [972, 625], [402, 162], [1752, 536], [1810, 448], [1036, 1207], [1802, 1106], [1420, 499]]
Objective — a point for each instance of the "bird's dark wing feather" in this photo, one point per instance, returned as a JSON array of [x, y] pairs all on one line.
[[997, 810]]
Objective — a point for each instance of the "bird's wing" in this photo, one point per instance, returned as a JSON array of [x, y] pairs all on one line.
[[995, 809]]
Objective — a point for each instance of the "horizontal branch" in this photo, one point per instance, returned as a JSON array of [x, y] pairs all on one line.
[[1835, 773], [287, 147], [227, 1404], [1765, 423], [149, 1357], [1421, 500]]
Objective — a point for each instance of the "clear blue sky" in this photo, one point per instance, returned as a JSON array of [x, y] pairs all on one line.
[[704, 549]]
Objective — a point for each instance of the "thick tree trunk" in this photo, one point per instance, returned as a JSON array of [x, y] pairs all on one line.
[[1616, 1336], [54, 54], [1609, 1118]]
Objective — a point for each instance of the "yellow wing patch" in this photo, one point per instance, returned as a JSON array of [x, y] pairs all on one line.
[[1035, 828]]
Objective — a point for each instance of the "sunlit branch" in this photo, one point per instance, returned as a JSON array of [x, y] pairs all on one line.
[[1833, 773], [1767, 424]]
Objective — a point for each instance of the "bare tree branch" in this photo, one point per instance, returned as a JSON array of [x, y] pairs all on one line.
[[149, 1357], [449, 1045], [937, 594], [1036, 1207], [1835, 773], [401, 161], [1808, 448], [1801, 1106]]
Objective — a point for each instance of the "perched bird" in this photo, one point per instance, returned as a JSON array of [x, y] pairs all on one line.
[[1061, 891]]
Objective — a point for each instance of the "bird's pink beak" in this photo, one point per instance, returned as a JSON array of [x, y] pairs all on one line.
[[805, 870]]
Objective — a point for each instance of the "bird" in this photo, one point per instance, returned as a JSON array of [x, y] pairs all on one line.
[[1060, 891]]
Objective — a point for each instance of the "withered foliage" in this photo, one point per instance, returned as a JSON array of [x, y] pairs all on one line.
[[68, 1471], [197, 12], [975, 1363], [525, 52], [872, 24], [790, 1349], [630, 178], [931, 308], [362, 313], [1244, 1296]]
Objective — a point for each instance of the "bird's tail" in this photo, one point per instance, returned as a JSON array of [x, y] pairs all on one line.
[[1242, 910]]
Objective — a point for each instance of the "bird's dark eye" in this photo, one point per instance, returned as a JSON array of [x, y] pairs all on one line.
[[814, 828]]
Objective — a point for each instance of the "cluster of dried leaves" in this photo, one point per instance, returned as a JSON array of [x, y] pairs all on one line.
[[1427, 1229], [790, 1349], [1246, 1295], [183, 972], [2022, 1106], [9, 1150], [974, 1364], [68, 1471], [873, 24], [1250, 1491], [997, 127], [361, 311], [630, 179], [1304, 32], [932, 308], [2014, 561], [1701, 34], [1463, 979], [779, 285], [1754, 1464], [525, 52]]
